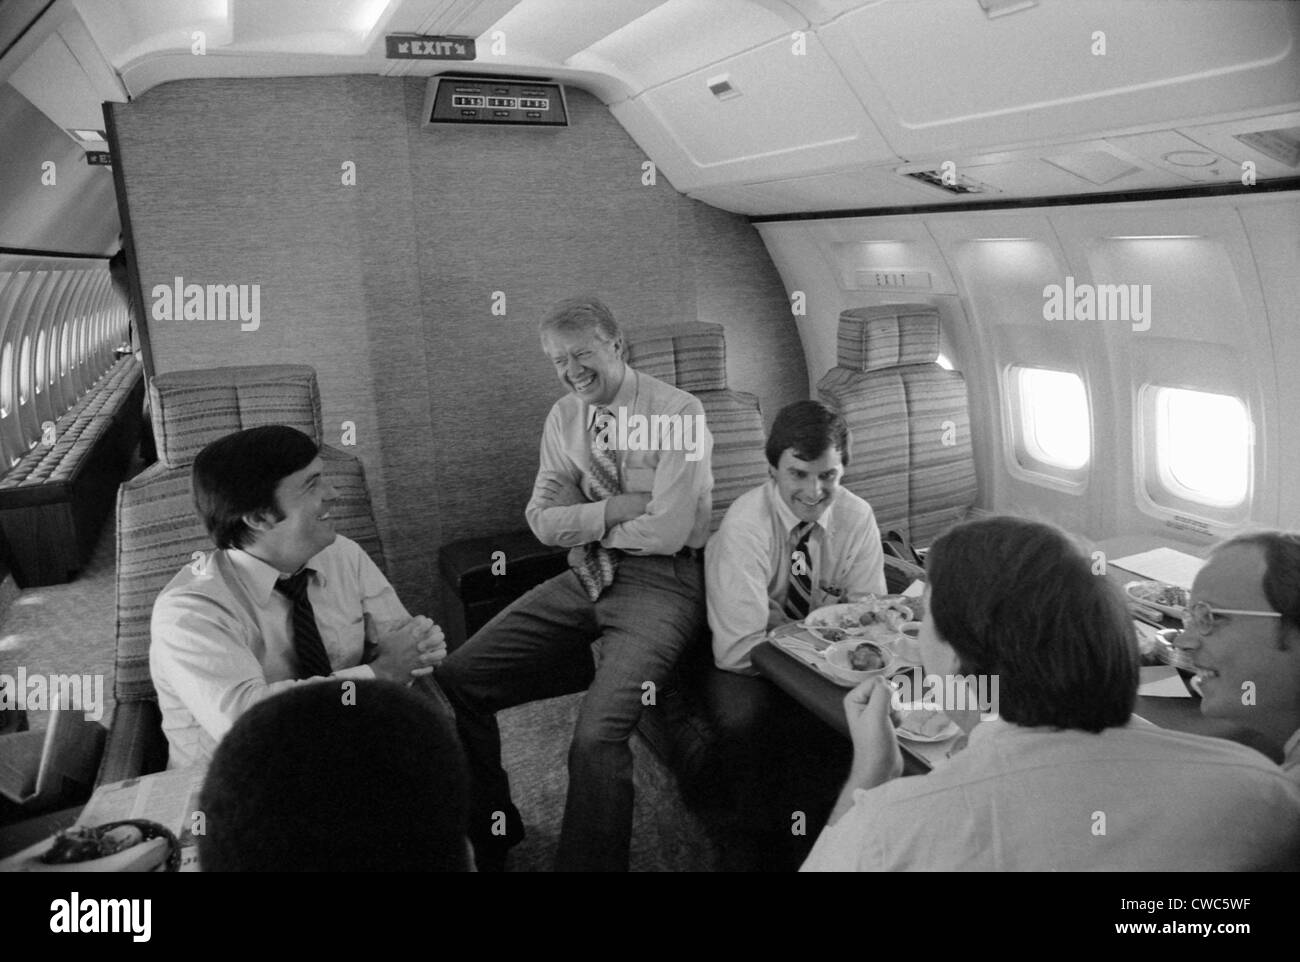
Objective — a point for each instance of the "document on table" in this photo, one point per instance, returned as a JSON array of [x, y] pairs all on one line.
[[1162, 564], [169, 798], [1161, 681]]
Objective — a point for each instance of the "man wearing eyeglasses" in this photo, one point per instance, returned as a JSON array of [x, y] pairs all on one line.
[[1243, 635]]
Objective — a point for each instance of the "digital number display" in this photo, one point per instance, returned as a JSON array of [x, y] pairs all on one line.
[[511, 103], [534, 103], [463, 101]]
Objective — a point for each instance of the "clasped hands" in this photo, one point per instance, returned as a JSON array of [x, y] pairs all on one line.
[[407, 649]]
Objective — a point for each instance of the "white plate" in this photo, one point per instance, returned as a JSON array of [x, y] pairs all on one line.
[[948, 731], [1142, 592], [829, 623], [837, 661]]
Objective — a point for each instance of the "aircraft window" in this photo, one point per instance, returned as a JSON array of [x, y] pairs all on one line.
[[944, 363], [63, 350], [25, 371], [1203, 447], [1054, 424], [6, 380], [40, 362]]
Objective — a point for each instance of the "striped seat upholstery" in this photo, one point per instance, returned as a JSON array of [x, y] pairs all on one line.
[[693, 356], [158, 531], [912, 454]]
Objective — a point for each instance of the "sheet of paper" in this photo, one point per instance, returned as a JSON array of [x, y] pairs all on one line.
[[1162, 564], [1162, 681]]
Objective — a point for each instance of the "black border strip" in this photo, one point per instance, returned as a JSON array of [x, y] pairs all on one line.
[[1112, 197], [128, 239], [32, 252]]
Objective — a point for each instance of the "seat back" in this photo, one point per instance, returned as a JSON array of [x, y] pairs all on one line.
[[693, 356], [157, 529], [910, 422]]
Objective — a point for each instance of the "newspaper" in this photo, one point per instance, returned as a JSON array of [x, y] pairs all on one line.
[[169, 798]]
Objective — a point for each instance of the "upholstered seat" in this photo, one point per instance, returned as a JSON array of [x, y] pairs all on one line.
[[909, 418], [158, 531], [54, 499]]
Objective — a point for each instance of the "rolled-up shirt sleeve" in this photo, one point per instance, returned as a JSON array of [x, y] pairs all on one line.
[[558, 512], [682, 478], [736, 577]]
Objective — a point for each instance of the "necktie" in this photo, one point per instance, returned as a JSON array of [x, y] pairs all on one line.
[[798, 596], [307, 645], [596, 564]]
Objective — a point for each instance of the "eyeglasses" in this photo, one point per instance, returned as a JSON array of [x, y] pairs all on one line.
[[1201, 616]]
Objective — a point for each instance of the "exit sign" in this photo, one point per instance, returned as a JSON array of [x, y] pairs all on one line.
[[405, 46], [99, 158]]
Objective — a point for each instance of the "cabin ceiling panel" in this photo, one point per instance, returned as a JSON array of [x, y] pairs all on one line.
[[555, 30], [680, 36], [939, 76], [767, 123], [68, 206]]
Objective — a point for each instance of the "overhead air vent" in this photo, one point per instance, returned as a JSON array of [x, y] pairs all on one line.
[[722, 87], [1282, 145], [951, 182]]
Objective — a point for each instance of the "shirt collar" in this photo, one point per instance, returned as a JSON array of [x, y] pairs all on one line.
[[260, 578], [787, 518], [624, 398], [1292, 744]]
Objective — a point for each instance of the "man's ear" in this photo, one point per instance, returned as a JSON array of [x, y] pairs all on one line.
[[260, 520], [771, 472]]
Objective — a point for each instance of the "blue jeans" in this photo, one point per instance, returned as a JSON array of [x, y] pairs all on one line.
[[541, 647]]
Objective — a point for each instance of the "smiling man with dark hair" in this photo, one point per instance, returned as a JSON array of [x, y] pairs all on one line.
[[281, 601]]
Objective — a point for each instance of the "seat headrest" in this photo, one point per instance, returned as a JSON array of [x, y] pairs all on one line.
[[887, 335], [690, 356], [191, 409]]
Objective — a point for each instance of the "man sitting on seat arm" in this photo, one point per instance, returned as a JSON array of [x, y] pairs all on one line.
[[635, 520], [283, 600]]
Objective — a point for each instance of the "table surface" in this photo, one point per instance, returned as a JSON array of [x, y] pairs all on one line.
[[824, 698]]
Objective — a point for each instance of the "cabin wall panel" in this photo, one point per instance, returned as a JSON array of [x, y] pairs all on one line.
[[387, 287], [242, 182]]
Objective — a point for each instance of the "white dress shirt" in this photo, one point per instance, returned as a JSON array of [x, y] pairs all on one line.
[[223, 637], [679, 482], [1134, 798], [747, 566], [1291, 756]]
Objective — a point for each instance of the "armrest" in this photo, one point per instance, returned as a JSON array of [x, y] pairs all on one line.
[[136, 743], [899, 574]]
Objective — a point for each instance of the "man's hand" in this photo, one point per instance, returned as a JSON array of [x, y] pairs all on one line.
[[876, 756], [625, 507], [406, 649]]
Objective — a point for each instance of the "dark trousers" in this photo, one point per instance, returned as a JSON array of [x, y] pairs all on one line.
[[540, 647], [772, 773]]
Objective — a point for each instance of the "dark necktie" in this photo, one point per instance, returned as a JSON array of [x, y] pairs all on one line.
[[597, 564], [798, 596], [312, 659]]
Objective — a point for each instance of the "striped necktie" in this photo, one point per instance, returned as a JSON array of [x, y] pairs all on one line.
[[798, 596], [597, 564], [307, 644]]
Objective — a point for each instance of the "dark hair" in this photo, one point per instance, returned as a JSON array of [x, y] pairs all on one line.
[[238, 474], [312, 780], [809, 427], [582, 314], [1018, 599], [1281, 573]]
